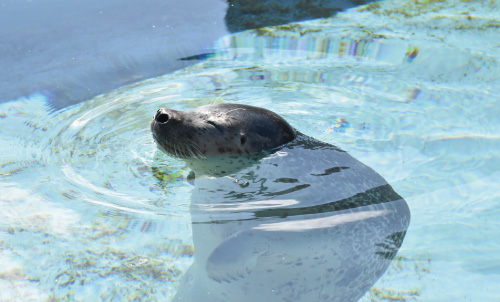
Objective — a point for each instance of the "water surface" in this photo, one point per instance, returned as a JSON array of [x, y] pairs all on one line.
[[91, 211]]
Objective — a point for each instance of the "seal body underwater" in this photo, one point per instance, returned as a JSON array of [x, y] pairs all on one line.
[[278, 215]]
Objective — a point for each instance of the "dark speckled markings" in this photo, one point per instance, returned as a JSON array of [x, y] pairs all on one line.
[[277, 215]]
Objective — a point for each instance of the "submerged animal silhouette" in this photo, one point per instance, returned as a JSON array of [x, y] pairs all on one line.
[[278, 215]]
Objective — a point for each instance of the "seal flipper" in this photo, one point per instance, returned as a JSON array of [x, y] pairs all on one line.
[[236, 256], [190, 178]]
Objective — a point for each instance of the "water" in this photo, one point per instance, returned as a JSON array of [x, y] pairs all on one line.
[[105, 45], [91, 211]]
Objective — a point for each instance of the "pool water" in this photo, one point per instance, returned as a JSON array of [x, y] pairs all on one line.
[[91, 211]]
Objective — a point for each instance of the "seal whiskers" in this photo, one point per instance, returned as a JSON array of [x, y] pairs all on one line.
[[194, 149]]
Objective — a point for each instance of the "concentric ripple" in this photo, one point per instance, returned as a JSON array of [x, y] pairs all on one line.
[[88, 204]]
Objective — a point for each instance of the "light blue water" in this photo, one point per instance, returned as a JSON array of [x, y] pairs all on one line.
[[89, 210]]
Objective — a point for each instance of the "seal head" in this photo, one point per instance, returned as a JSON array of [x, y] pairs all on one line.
[[221, 129]]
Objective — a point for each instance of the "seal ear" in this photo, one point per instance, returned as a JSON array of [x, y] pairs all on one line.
[[243, 140]]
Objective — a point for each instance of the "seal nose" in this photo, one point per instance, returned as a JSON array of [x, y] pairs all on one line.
[[161, 116]]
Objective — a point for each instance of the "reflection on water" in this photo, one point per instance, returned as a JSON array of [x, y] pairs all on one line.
[[118, 42], [249, 14], [90, 211]]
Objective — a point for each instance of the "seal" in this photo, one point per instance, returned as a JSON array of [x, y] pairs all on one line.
[[277, 215]]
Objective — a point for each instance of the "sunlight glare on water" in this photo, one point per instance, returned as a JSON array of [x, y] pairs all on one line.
[[91, 210]]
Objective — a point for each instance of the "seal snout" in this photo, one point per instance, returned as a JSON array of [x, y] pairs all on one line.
[[161, 116]]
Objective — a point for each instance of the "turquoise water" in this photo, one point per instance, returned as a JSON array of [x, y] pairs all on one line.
[[91, 211]]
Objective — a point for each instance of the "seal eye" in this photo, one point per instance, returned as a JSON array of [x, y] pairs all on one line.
[[243, 140], [215, 126]]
